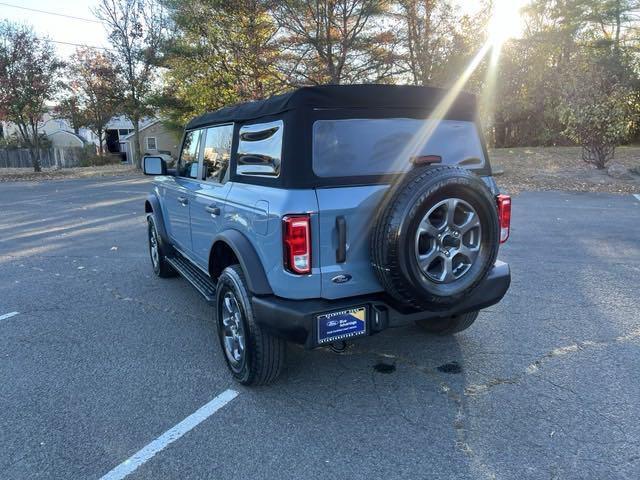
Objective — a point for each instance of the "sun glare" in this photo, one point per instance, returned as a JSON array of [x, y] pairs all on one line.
[[506, 21]]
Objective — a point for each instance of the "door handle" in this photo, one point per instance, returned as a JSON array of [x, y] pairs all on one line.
[[213, 209], [183, 201], [341, 252]]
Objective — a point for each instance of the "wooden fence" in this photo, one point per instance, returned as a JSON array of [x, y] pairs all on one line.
[[51, 157]]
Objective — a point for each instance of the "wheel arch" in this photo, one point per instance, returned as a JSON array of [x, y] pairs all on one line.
[[231, 247], [152, 207]]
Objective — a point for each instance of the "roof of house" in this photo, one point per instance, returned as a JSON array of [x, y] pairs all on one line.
[[339, 96], [144, 127]]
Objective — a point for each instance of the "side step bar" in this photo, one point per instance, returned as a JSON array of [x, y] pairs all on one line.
[[195, 276]]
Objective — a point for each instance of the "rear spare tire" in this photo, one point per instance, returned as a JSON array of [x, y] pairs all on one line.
[[437, 237]]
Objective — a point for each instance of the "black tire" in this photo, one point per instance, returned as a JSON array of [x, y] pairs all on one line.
[[160, 266], [264, 354], [449, 325], [393, 240]]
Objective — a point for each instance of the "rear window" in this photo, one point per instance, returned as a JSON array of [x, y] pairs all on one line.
[[360, 147]]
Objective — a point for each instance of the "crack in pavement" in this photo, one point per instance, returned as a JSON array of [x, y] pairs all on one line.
[[462, 443], [447, 390], [534, 367]]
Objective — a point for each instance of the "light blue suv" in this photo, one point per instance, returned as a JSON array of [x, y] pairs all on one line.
[[330, 213]]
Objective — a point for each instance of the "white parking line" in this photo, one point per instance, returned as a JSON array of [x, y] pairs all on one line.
[[637, 195], [8, 315], [171, 435]]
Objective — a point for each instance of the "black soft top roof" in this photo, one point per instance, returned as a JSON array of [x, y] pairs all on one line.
[[339, 96]]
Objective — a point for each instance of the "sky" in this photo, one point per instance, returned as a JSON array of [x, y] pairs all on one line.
[[91, 33], [58, 28]]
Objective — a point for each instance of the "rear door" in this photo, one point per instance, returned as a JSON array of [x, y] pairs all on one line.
[[208, 205], [179, 193], [351, 149], [346, 216]]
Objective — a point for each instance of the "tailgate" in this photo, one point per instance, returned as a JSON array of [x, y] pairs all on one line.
[[356, 207]]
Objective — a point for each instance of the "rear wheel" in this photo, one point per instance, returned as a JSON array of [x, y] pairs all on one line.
[[448, 325], [253, 355]]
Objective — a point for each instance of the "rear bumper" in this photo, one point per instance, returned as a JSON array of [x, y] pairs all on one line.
[[295, 320]]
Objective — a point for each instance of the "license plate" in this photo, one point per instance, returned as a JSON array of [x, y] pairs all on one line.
[[342, 325]]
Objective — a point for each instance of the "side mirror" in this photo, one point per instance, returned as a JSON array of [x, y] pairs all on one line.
[[154, 166]]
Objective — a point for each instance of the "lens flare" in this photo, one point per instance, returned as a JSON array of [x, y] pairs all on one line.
[[440, 111], [506, 21]]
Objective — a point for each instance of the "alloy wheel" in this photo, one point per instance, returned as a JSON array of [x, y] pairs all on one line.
[[447, 240], [153, 247], [233, 334]]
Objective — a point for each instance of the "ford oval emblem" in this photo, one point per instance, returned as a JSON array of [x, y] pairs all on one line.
[[343, 278]]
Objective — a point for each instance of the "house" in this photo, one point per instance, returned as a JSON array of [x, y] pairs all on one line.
[[155, 138], [50, 125], [116, 130]]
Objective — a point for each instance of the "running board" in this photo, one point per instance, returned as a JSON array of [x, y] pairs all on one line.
[[194, 276]]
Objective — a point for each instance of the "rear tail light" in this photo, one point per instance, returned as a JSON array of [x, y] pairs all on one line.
[[297, 243], [504, 216]]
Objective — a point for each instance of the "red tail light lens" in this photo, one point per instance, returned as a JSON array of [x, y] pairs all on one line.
[[297, 243], [504, 216]]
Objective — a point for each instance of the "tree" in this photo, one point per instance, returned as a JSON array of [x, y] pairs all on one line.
[[29, 76], [235, 52], [97, 91], [335, 41], [430, 36], [597, 106], [69, 108], [137, 32]]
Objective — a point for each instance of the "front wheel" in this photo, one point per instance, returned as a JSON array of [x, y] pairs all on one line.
[[253, 355], [448, 325], [156, 251]]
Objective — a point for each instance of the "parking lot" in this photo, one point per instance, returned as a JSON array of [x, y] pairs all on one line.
[[99, 358]]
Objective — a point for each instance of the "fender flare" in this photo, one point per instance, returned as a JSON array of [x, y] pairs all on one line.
[[250, 262], [152, 207]]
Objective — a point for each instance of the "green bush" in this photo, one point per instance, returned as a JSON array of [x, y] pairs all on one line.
[[596, 106]]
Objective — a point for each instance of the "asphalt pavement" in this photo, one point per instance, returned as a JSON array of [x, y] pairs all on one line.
[[99, 358]]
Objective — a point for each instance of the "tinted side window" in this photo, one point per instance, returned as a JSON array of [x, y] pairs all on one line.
[[260, 149], [217, 151], [188, 164]]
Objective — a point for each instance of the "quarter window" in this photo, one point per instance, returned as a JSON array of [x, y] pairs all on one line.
[[260, 149], [188, 164], [217, 151]]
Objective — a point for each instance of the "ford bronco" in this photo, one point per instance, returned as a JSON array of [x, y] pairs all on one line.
[[330, 213]]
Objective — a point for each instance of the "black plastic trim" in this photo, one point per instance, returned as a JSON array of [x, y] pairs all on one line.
[[294, 320], [257, 281], [341, 252], [156, 211]]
